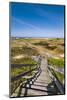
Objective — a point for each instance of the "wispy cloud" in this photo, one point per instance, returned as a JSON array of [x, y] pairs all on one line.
[[29, 25], [37, 20]]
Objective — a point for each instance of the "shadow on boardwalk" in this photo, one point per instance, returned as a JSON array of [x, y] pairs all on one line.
[[51, 89]]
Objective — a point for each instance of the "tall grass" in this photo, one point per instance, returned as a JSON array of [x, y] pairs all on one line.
[[60, 77], [23, 50], [56, 62]]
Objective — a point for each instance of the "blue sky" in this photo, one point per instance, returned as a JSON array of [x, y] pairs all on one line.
[[37, 20]]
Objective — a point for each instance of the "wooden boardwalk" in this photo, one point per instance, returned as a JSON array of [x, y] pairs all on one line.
[[43, 85]]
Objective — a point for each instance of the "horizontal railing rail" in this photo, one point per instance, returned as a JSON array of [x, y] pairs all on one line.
[[21, 75], [57, 69], [22, 65]]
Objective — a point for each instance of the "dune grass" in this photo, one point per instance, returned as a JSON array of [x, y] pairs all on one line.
[[56, 62], [15, 71], [60, 76], [23, 50]]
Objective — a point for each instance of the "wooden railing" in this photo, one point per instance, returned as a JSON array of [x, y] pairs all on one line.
[[24, 73], [24, 77], [55, 79]]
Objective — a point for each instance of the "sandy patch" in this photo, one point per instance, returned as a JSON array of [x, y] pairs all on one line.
[[18, 57], [62, 55]]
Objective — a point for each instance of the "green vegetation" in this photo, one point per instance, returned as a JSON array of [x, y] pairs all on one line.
[[15, 71], [41, 43], [56, 44], [51, 47], [46, 45], [59, 49], [56, 62], [60, 76], [23, 39], [23, 50], [26, 60], [29, 51]]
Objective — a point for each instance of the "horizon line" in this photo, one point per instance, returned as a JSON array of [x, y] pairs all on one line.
[[34, 37]]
